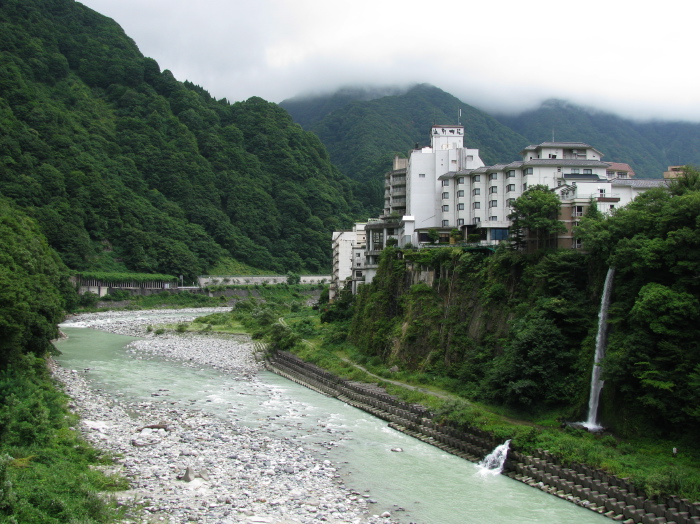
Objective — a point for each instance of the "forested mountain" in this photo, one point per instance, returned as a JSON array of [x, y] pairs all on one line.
[[649, 147], [364, 129], [124, 167], [362, 136]]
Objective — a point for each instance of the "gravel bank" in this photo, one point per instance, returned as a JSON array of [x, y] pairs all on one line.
[[185, 465]]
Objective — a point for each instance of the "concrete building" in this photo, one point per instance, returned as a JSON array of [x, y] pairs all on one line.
[[348, 259], [446, 188]]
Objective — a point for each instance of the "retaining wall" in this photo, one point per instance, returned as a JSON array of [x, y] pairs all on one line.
[[587, 487]]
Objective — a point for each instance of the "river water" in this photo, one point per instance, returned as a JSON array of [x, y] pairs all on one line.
[[431, 485]]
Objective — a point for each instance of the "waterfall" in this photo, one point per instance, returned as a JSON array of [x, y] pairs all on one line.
[[600, 344], [494, 461]]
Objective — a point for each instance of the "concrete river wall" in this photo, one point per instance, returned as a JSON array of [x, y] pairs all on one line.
[[587, 487]]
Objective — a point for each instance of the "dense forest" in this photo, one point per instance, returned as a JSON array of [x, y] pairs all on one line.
[[518, 330], [364, 128], [127, 169]]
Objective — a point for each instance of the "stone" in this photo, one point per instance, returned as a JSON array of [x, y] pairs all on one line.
[[189, 475]]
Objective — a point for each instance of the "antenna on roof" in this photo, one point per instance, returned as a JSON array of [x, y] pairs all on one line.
[[459, 117]]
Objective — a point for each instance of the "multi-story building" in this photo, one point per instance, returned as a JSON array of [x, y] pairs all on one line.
[[446, 189], [348, 259]]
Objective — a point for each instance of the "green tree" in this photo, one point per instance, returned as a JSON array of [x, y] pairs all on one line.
[[536, 213]]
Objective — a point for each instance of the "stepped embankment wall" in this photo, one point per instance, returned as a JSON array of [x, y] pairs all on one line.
[[591, 488]]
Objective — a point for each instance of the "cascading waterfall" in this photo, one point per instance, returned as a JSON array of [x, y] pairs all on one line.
[[600, 344], [494, 461]]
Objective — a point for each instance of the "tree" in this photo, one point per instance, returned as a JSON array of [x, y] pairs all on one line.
[[536, 213]]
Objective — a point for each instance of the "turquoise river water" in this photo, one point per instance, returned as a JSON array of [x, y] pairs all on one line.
[[431, 485]]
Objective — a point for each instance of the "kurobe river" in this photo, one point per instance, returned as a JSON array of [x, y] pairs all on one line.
[[429, 485]]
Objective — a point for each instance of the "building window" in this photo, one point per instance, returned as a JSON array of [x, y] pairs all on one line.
[[460, 180], [577, 244], [477, 220], [587, 171], [476, 205], [358, 274], [499, 233], [445, 208], [525, 186], [493, 189], [493, 176], [460, 221], [575, 171], [470, 158], [445, 183], [460, 193], [445, 195], [493, 203], [510, 187], [445, 223], [578, 211], [527, 171], [509, 202], [510, 174], [476, 191], [421, 175], [601, 193], [552, 156], [460, 207], [612, 207], [477, 178], [493, 219]]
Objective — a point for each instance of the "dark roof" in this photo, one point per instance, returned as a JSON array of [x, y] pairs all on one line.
[[584, 177], [560, 162], [640, 182]]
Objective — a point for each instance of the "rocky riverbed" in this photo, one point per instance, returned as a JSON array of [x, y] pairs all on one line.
[[185, 465]]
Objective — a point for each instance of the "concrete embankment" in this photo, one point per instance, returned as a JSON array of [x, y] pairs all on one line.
[[590, 488]]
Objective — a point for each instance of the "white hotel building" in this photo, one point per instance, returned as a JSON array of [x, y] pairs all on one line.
[[447, 186]]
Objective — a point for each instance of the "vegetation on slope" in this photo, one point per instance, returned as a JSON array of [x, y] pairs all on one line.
[[44, 473], [363, 136], [125, 168]]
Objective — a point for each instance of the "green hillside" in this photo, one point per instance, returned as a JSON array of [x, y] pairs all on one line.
[[362, 136], [126, 168], [649, 147]]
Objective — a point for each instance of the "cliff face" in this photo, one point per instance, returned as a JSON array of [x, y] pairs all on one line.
[[501, 328]]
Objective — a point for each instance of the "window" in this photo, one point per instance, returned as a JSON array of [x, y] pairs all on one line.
[[587, 171], [493, 219], [552, 156], [510, 201], [510, 174], [524, 186], [445, 223], [601, 193], [460, 207], [460, 193], [445, 183], [527, 171], [577, 244], [476, 191], [510, 187], [460, 221], [476, 205], [445, 195], [499, 233], [477, 178], [612, 207], [470, 158], [358, 274], [493, 176], [493, 203], [575, 171], [477, 220], [445, 208], [493, 189], [578, 211], [421, 175], [460, 180]]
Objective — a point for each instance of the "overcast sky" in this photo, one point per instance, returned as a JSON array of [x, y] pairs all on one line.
[[633, 58]]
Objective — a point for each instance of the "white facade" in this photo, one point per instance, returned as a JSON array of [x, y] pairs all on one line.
[[446, 187], [347, 265]]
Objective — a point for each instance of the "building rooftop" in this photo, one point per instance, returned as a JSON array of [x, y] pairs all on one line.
[[640, 182], [560, 162]]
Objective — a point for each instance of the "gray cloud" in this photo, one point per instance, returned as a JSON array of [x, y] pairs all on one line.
[[501, 55]]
